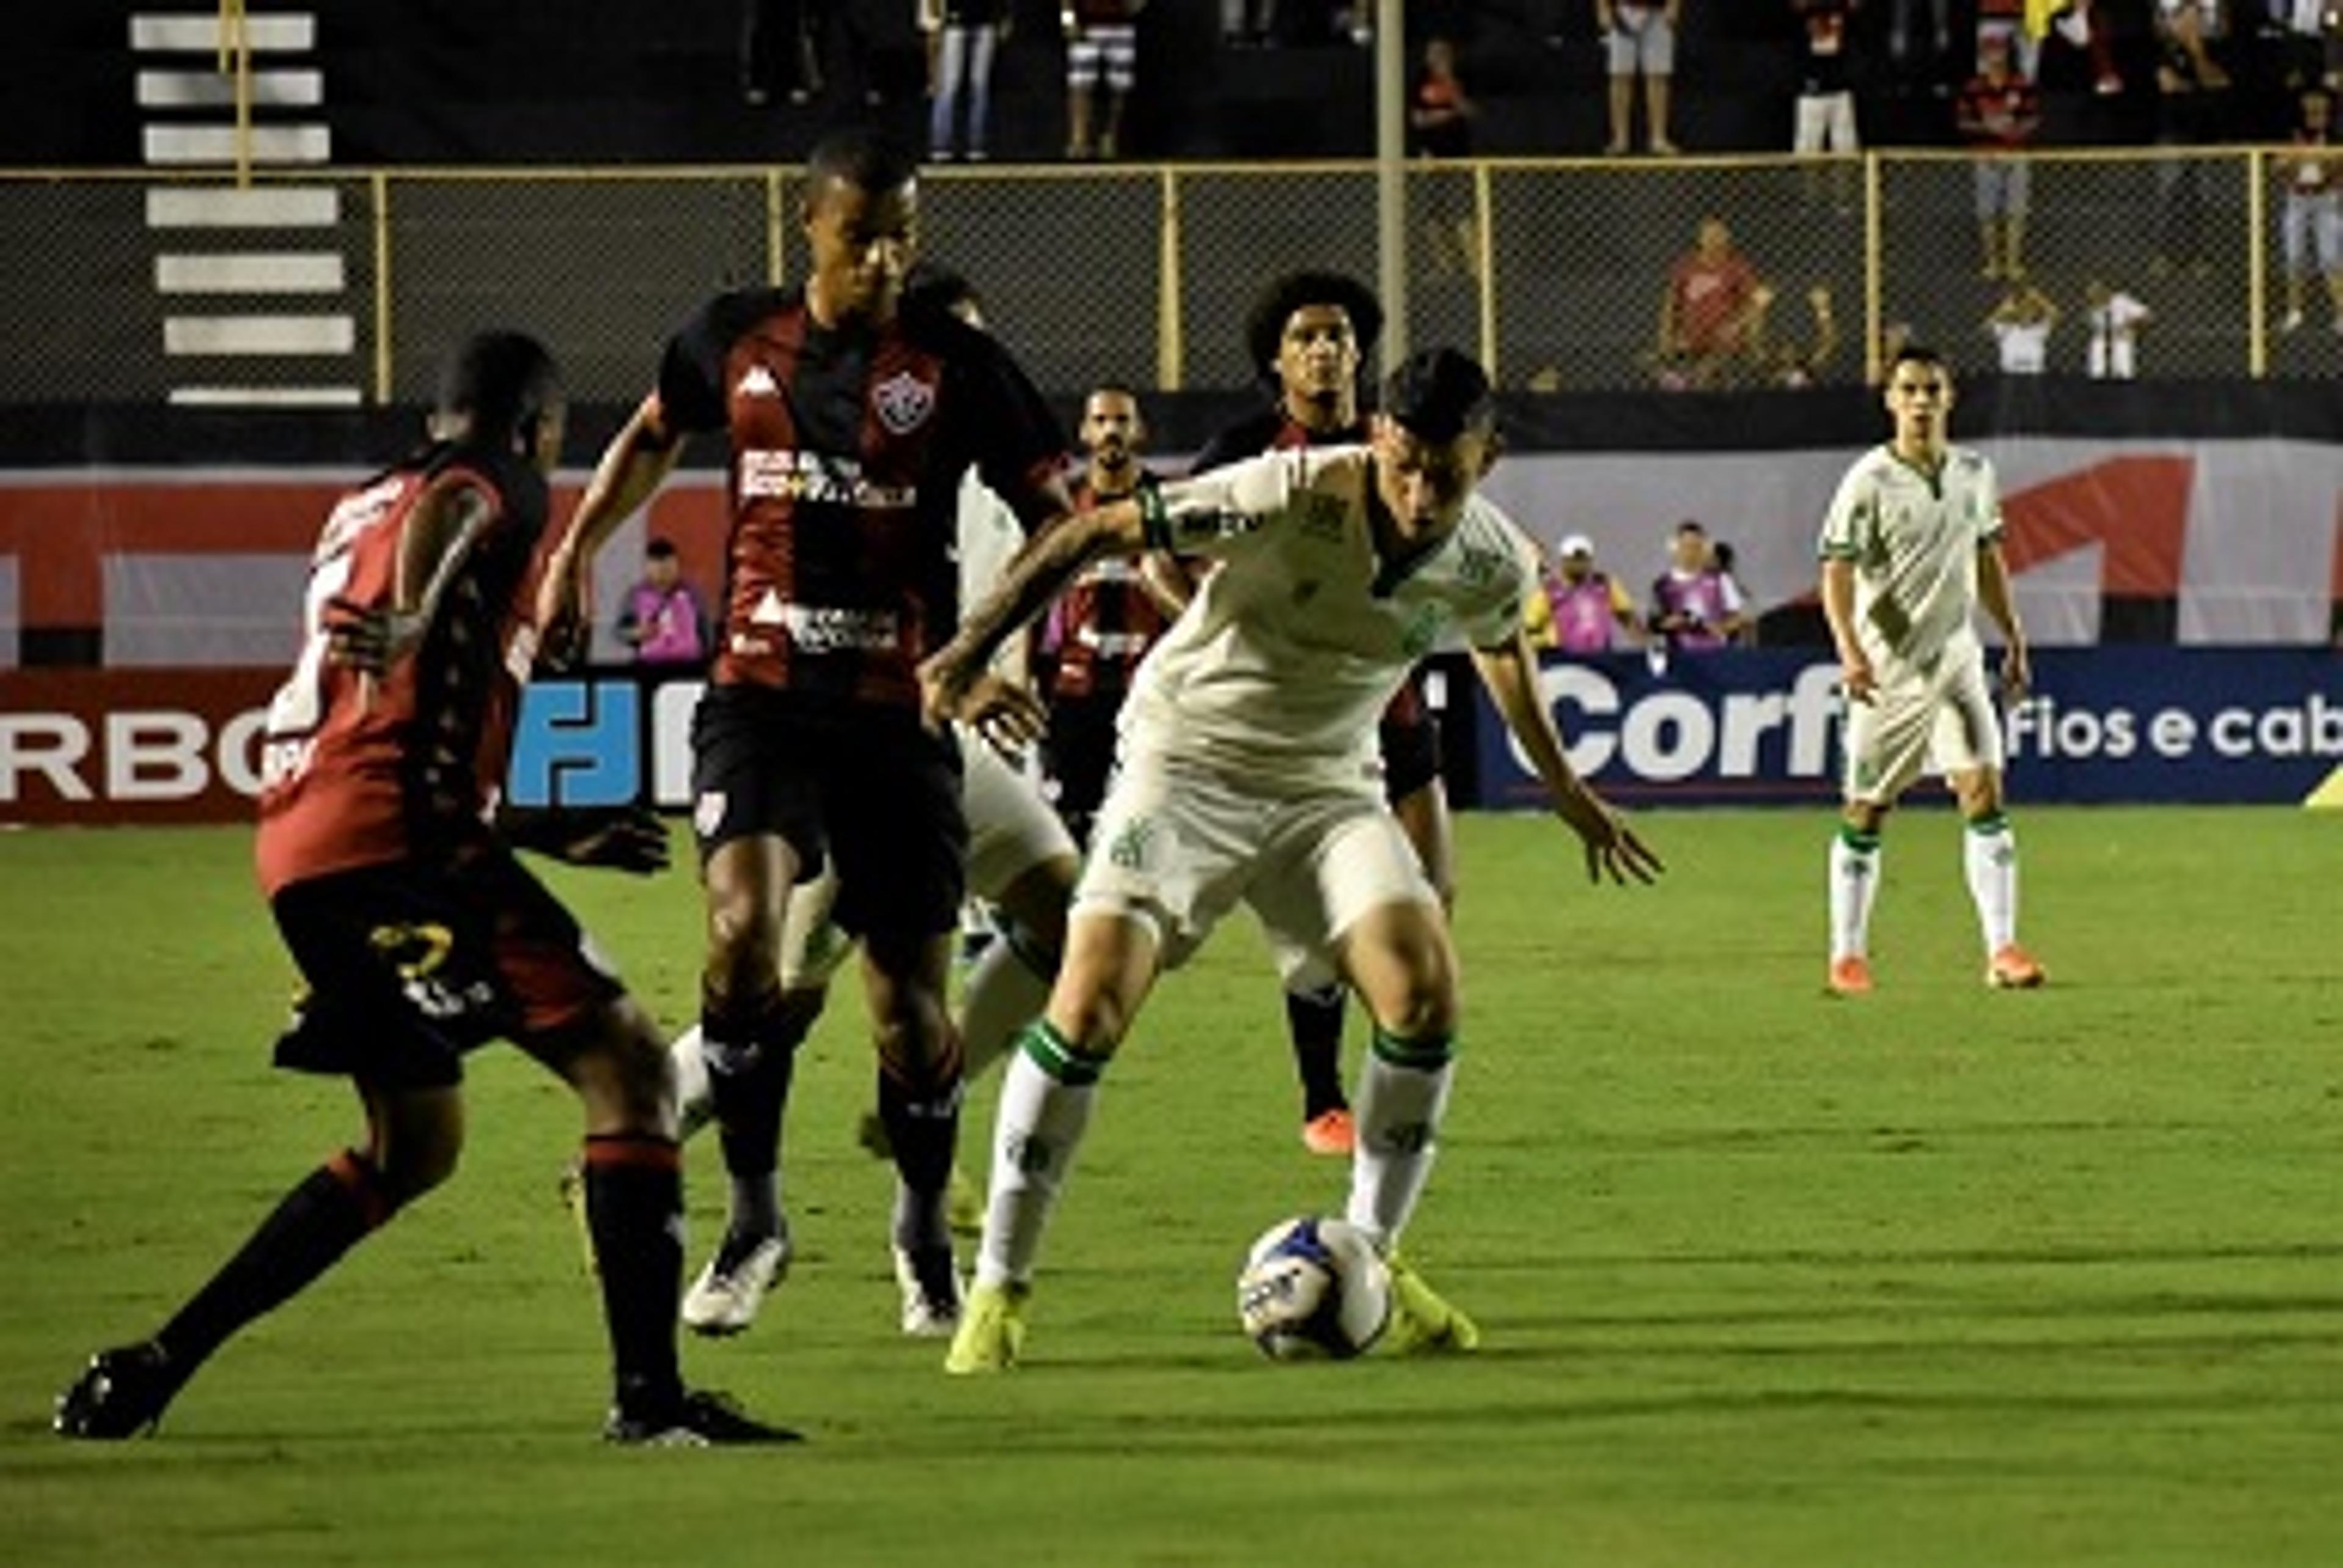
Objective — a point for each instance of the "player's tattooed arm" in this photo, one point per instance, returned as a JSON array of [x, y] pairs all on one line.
[[448, 522], [952, 679]]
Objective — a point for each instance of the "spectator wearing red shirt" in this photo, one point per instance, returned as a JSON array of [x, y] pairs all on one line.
[[2000, 114], [1711, 312]]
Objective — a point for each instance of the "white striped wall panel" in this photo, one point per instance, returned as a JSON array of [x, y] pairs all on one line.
[[286, 335], [279, 32], [254, 206], [255, 272], [217, 89], [310, 144]]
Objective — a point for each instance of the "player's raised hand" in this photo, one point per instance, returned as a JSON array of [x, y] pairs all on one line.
[[370, 638]]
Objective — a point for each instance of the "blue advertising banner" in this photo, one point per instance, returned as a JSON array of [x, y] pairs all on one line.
[[2105, 724]]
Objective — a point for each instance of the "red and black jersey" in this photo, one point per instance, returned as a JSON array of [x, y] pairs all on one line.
[[408, 765], [1104, 623], [848, 446]]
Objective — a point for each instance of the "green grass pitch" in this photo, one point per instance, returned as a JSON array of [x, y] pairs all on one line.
[[1940, 1277]]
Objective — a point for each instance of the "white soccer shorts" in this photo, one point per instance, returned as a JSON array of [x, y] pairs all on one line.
[[1944, 721], [1179, 845]]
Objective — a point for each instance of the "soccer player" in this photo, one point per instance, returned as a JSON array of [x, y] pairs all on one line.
[[1307, 335], [1021, 864], [850, 423], [419, 935], [1911, 548], [1248, 776], [1110, 617]]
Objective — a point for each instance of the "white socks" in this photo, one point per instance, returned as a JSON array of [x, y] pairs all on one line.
[[1989, 855], [1854, 882], [1046, 1098], [1403, 1093], [695, 1101], [1006, 988]]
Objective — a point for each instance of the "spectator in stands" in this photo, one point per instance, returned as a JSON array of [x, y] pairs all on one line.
[[2078, 51], [1101, 47], [2311, 237], [1440, 125], [2000, 114], [1920, 41], [1695, 608], [2192, 95], [2006, 19], [2113, 317], [1577, 609], [1711, 312], [1794, 364], [967, 33], [1826, 106], [662, 619], [780, 48], [1248, 24], [2308, 35], [1639, 38], [2020, 325]]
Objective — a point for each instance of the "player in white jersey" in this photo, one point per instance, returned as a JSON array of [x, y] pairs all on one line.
[[1021, 862], [1911, 549], [1249, 776]]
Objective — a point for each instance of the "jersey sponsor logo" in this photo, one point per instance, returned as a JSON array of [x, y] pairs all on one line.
[[757, 383], [818, 478], [818, 629], [1480, 567], [903, 401]]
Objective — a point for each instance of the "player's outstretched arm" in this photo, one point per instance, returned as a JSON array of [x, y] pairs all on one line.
[[633, 467], [1509, 670], [951, 679]]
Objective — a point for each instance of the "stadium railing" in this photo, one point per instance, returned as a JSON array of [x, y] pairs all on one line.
[[342, 288]]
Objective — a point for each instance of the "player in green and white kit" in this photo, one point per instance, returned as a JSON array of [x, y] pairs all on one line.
[[1911, 549], [1249, 776]]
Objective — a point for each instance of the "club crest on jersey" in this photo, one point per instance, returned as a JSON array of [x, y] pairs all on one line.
[[903, 401]]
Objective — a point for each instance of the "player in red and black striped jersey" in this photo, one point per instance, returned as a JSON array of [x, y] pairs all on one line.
[[1307, 335], [850, 423], [1106, 621], [419, 935]]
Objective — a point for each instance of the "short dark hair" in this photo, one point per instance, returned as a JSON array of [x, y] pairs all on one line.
[[1265, 327], [1438, 394], [860, 156], [501, 382], [659, 550], [1917, 354]]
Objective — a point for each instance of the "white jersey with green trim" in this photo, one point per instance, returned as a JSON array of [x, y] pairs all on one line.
[[1914, 539], [1294, 644]]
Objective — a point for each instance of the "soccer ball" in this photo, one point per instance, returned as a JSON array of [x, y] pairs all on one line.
[[1314, 1290]]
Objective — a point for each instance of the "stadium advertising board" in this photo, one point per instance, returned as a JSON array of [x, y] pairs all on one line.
[[1761, 725]]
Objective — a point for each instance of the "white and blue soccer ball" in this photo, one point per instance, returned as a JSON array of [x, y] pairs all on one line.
[[1313, 1288]]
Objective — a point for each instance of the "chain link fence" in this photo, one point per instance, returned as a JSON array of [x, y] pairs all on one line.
[[1555, 272]]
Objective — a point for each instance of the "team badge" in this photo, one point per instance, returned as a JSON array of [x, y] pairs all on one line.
[[903, 401]]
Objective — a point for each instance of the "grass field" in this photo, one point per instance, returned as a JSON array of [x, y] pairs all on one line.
[[1943, 1277]]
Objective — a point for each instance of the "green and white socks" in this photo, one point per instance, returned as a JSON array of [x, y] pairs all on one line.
[[1047, 1095], [1989, 855], [1989, 860], [1854, 883], [1402, 1094]]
